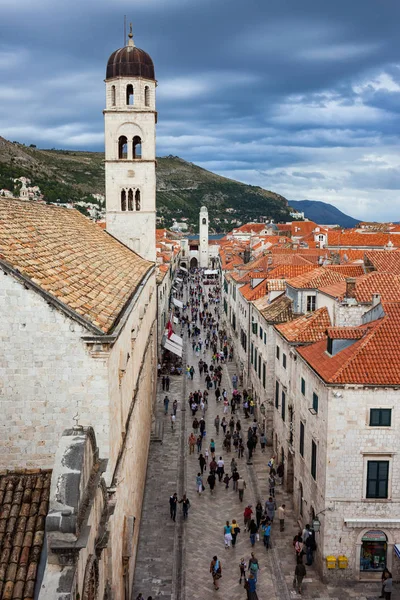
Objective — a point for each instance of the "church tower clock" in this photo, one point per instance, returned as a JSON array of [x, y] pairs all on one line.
[[130, 149]]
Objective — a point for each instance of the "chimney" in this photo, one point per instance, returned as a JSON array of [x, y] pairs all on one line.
[[376, 299], [350, 287]]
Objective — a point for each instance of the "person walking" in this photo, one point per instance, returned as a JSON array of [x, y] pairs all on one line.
[[235, 479], [199, 442], [251, 587], [167, 381], [166, 402], [227, 535], [263, 442], [163, 383], [259, 512], [199, 484], [242, 567], [211, 479], [173, 419], [388, 587], [271, 483], [253, 529], [281, 516], [241, 486], [212, 448], [216, 571], [254, 567], [247, 516], [172, 505], [226, 480], [299, 574], [202, 462], [385, 574], [174, 406], [192, 443], [185, 505], [217, 423], [270, 507], [235, 529], [220, 468], [267, 534]]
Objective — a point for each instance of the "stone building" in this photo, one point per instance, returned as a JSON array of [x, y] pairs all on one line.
[[203, 238]]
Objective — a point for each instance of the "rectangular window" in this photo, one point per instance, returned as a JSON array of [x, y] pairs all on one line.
[[283, 407], [380, 417], [313, 459], [254, 328], [377, 478], [225, 286], [315, 402], [259, 366], [234, 322], [277, 352], [265, 338], [251, 352], [225, 307], [255, 358], [234, 292], [301, 448], [303, 387], [276, 394], [264, 375], [311, 303], [284, 360], [261, 332]]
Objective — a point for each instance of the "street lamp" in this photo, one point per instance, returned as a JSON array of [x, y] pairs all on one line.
[[316, 523], [262, 409]]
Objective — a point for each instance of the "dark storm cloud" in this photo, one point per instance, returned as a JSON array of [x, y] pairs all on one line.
[[299, 97]]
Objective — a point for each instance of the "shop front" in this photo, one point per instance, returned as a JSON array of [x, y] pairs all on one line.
[[373, 555]]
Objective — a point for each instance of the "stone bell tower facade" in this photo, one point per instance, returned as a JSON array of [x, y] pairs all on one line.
[[130, 149], [203, 238]]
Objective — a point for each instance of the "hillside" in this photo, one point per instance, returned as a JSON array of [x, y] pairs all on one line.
[[323, 213], [182, 187]]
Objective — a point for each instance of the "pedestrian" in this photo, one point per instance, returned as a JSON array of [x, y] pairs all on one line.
[[254, 567], [174, 406], [185, 505], [281, 516], [167, 383], [233, 465], [235, 530], [271, 483], [166, 402], [224, 424], [226, 481], [252, 527], [173, 419], [251, 587], [172, 505], [191, 371], [388, 586], [263, 442], [199, 442], [227, 535], [202, 462], [206, 456], [240, 449], [247, 516], [220, 468], [310, 548], [195, 425], [259, 512], [385, 574], [192, 443], [280, 472], [242, 567], [298, 547], [199, 484], [270, 507], [163, 383], [299, 574], [217, 423], [211, 479], [212, 447], [241, 486], [266, 527], [235, 479], [216, 571]]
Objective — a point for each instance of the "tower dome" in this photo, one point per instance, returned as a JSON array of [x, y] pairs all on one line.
[[130, 62]]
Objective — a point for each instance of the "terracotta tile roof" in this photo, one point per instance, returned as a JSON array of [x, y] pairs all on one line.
[[348, 270], [250, 228], [345, 333], [361, 240], [24, 502], [71, 258], [250, 293], [384, 284], [316, 279], [300, 228], [384, 261], [276, 285], [307, 328], [290, 271], [277, 311], [372, 360]]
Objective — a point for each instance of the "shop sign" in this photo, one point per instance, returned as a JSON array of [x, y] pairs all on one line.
[[374, 536]]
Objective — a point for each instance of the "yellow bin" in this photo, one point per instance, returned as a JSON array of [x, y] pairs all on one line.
[[331, 562], [343, 562]]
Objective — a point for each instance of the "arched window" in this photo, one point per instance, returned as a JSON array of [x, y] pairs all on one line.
[[123, 200], [129, 95], [123, 147], [130, 199], [113, 95], [147, 96], [136, 147], [137, 200], [204, 221]]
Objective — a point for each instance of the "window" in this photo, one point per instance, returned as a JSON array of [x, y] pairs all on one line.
[[136, 147], [261, 332], [301, 445], [204, 221], [329, 346], [315, 402], [377, 478], [313, 459], [283, 407], [123, 200], [113, 95], [259, 366], [225, 286], [264, 375], [252, 353], [277, 352], [265, 337], [130, 199], [234, 322], [303, 386], [254, 328], [284, 360], [137, 200], [129, 95], [234, 292], [147, 96], [255, 358], [380, 417], [276, 394], [122, 147], [225, 307], [310, 303]]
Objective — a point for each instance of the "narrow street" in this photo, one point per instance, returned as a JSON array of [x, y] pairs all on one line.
[[174, 558]]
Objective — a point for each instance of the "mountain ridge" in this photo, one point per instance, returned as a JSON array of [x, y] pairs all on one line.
[[323, 213]]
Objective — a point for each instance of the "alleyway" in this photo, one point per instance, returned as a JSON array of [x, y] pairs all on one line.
[[173, 558]]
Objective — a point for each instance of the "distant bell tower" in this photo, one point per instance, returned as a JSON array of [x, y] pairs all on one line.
[[203, 239], [130, 149]]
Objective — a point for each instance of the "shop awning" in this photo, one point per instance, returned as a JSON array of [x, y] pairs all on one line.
[[397, 550], [176, 320], [177, 303], [211, 272], [178, 279], [174, 348], [183, 269], [176, 339]]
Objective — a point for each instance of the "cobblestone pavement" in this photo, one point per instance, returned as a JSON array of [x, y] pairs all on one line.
[[173, 558]]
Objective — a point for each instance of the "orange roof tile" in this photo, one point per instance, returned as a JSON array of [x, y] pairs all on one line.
[[307, 328], [70, 258], [315, 279], [361, 240], [384, 260], [345, 333], [384, 284], [348, 270]]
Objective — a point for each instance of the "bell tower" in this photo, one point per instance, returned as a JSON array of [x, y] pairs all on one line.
[[203, 238], [130, 149]]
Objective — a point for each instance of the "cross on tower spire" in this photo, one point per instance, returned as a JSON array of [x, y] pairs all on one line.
[[130, 36]]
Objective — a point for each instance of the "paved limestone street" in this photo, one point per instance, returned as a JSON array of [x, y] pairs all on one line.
[[173, 558]]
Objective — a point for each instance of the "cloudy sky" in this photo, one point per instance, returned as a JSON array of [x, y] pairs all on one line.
[[298, 96]]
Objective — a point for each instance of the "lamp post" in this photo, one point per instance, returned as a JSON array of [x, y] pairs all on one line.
[[316, 523]]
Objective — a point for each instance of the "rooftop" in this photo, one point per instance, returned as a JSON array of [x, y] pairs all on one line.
[[307, 328]]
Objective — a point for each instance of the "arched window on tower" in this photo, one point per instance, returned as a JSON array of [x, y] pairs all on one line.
[[113, 95], [147, 96], [136, 147], [123, 200], [137, 200], [130, 199], [129, 95], [204, 221], [123, 147]]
